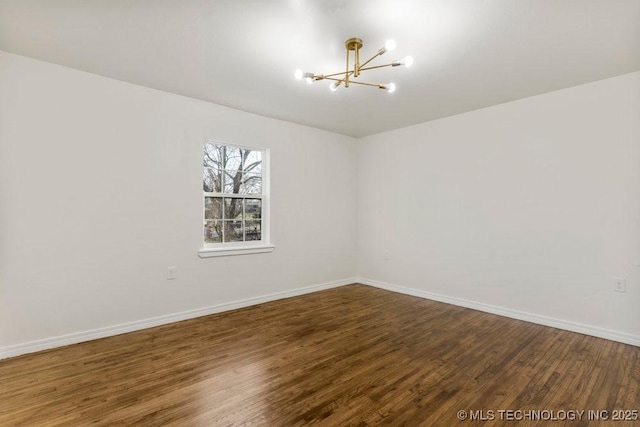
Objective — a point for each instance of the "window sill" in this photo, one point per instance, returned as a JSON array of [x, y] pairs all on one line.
[[238, 250]]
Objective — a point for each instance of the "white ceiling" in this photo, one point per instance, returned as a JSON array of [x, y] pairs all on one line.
[[468, 54]]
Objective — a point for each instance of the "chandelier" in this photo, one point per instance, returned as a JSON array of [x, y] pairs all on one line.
[[349, 76]]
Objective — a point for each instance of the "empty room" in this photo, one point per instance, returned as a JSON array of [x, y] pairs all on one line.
[[331, 212]]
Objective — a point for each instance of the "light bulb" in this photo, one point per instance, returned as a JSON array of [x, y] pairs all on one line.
[[407, 61], [333, 86], [390, 45], [308, 79], [391, 87], [298, 74]]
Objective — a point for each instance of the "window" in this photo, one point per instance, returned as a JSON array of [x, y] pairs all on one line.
[[235, 200]]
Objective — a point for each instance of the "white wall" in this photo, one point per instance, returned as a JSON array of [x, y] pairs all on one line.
[[530, 206], [100, 191]]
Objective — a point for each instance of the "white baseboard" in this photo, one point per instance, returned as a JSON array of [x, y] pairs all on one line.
[[78, 337], [622, 337], [74, 338]]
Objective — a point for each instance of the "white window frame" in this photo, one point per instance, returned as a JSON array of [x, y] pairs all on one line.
[[241, 248]]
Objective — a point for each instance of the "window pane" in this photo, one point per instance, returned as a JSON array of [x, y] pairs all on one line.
[[207, 180], [233, 231], [253, 230], [253, 208], [253, 161], [232, 158], [232, 208], [213, 207], [213, 231], [211, 181], [232, 182], [213, 156], [251, 184]]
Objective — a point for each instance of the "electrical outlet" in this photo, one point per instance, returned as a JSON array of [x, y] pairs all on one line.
[[171, 273], [619, 284]]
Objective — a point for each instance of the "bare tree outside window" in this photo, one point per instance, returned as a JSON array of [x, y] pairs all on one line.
[[233, 190]]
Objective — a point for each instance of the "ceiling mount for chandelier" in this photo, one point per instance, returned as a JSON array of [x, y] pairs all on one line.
[[349, 76]]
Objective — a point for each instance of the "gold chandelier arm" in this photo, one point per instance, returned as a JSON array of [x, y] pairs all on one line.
[[378, 85], [369, 60], [326, 76], [345, 73], [355, 82], [377, 66]]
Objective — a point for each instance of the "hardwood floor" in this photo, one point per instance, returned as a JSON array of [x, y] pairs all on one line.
[[353, 355]]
